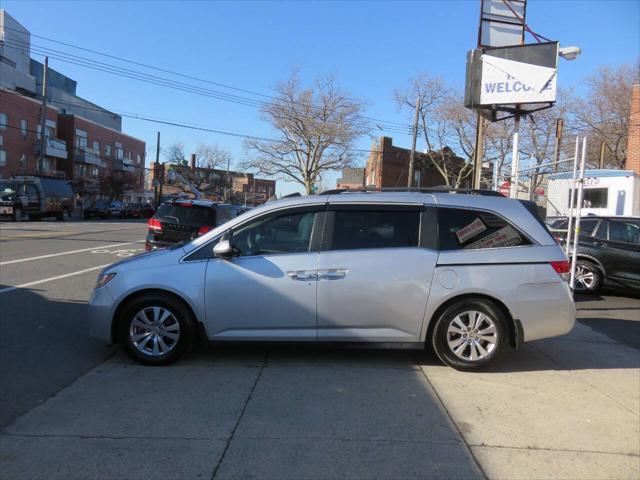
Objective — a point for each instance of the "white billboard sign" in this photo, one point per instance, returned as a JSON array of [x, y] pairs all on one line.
[[506, 82]]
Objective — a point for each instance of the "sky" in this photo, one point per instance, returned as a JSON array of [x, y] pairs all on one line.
[[372, 47]]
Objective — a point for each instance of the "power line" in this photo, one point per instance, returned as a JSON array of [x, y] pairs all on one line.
[[91, 63]]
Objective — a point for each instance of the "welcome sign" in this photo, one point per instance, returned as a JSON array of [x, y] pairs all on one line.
[[506, 82]]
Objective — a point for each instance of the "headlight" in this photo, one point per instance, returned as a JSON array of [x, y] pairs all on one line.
[[104, 278]]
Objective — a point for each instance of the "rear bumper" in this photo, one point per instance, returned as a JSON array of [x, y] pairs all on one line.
[[544, 310], [101, 311]]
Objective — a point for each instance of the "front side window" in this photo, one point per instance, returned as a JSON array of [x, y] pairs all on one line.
[[287, 233], [375, 229], [462, 229]]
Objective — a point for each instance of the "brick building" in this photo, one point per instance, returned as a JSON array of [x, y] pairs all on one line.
[[20, 139], [83, 142], [388, 166], [633, 141], [352, 178], [102, 162]]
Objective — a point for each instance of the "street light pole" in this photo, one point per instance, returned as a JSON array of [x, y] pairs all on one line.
[[43, 115]]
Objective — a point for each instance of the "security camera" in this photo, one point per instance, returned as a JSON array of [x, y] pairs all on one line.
[[569, 53]]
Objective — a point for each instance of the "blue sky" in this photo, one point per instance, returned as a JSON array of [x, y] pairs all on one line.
[[373, 47]]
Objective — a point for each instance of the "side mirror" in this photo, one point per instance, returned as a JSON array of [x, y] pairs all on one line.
[[223, 249]]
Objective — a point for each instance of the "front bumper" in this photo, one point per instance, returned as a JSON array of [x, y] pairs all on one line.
[[101, 312]]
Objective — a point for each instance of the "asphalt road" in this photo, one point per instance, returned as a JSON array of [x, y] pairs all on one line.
[[71, 407], [47, 272]]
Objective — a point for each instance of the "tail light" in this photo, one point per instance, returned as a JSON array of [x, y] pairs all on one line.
[[561, 267], [204, 229], [154, 225]]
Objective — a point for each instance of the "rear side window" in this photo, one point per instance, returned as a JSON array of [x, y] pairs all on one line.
[[461, 229], [375, 229], [186, 214]]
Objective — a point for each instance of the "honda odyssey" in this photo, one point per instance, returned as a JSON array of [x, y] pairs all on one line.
[[468, 275]]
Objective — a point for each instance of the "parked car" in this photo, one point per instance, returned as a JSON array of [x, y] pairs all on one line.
[[104, 209], [138, 210], [608, 252], [31, 197], [468, 275], [182, 220]]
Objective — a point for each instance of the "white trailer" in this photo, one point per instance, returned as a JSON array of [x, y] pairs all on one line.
[[606, 193]]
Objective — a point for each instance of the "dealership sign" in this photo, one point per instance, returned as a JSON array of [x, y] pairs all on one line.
[[510, 82]]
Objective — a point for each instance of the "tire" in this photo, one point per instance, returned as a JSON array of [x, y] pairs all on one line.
[[18, 215], [452, 328], [588, 277], [138, 334]]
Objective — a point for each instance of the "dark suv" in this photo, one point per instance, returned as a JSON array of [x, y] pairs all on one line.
[[183, 220], [608, 251]]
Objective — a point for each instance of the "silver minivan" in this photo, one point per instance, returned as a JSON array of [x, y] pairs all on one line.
[[468, 275]]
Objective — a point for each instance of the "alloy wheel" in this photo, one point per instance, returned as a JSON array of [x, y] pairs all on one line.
[[584, 279], [154, 331], [472, 335]]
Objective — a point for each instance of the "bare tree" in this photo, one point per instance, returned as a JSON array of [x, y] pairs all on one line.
[[209, 158], [604, 112], [317, 127], [443, 122]]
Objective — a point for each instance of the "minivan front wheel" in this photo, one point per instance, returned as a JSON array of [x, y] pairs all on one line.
[[470, 334], [155, 331]]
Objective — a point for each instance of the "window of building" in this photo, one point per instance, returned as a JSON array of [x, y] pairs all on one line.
[[48, 132], [107, 150], [23, 128], [138, 159], [81, 169], [375, 229], [81, 139], [96, 147], [23, 162], [3, 158], [288, 233], [119, 153], [94, 171], [46, 164], [461, 229], [4, 121], [591, 198]]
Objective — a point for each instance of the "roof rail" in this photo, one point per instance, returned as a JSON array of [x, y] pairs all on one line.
[[444, 189], [290, 195]]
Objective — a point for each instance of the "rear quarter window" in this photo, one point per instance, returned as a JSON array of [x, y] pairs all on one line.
[[465, 229]]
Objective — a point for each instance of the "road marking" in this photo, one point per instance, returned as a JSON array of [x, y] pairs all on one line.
[[69, 252], [51, 279]]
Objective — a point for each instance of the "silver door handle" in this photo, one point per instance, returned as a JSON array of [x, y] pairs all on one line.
[[333, 274], [303, 275]]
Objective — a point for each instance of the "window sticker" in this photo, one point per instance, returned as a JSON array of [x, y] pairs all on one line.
[[471, 230], [505, 237]]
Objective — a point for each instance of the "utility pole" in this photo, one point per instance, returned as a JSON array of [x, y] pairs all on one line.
[[43, 115], [156, 172], [603, 145], [226, 180], [515, 159], [412, 155], [479, 152], [556, 153]]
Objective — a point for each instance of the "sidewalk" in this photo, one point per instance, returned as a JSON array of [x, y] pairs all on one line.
[[563, 408]]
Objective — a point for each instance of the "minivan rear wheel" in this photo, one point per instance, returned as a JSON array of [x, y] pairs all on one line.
[[470, 334], [155, 330]]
